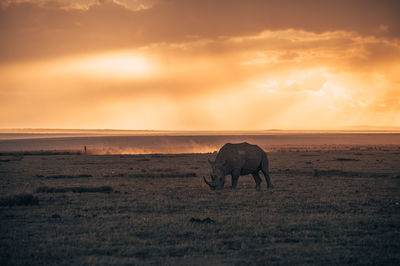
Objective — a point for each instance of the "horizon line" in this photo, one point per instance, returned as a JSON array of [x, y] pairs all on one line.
[[350, 129]]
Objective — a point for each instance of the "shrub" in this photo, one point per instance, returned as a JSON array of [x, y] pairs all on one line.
[[69, 176], [45, 189], [164, 175], [19, 200]]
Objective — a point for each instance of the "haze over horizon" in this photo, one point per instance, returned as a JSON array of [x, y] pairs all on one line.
[[199, 65]]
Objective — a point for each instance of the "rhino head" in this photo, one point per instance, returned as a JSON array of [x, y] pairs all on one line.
[[217, 176]]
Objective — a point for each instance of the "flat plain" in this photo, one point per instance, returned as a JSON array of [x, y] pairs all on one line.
[[332, 206]]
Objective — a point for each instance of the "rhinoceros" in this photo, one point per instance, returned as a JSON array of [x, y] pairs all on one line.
[[236, 160]]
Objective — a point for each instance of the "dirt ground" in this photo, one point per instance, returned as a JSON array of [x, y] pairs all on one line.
[[327, 207]]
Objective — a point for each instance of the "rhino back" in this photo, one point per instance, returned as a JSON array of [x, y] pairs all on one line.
[[243, 156]]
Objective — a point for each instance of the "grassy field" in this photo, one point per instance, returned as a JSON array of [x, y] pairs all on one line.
[[327, 207]]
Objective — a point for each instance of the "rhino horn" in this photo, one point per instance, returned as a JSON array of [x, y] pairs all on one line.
[[209, 184]]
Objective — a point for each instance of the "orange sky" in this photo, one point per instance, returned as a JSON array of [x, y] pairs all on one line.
[[199, 65]]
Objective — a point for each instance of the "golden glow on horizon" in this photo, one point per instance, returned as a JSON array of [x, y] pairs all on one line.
[[285, 79], [117, 65]]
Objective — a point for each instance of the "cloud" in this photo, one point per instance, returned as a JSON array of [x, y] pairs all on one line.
[[36, 29], [292, 60], [199, 64], [134, 5]]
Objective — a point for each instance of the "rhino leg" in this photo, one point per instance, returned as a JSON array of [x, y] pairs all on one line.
[[257, 179], [265, 170], [267, 178], [235, 178]]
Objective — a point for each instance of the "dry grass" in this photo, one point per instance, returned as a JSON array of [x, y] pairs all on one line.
[[347, 215]]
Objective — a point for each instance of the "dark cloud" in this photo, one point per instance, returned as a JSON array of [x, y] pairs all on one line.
[[29, 30]]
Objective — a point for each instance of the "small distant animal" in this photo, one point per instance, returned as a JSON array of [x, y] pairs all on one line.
[[236, 160]]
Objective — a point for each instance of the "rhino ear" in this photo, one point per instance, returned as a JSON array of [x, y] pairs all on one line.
[[210, 162]]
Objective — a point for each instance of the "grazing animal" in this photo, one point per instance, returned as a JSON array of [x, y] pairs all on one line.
[[236, 160]]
